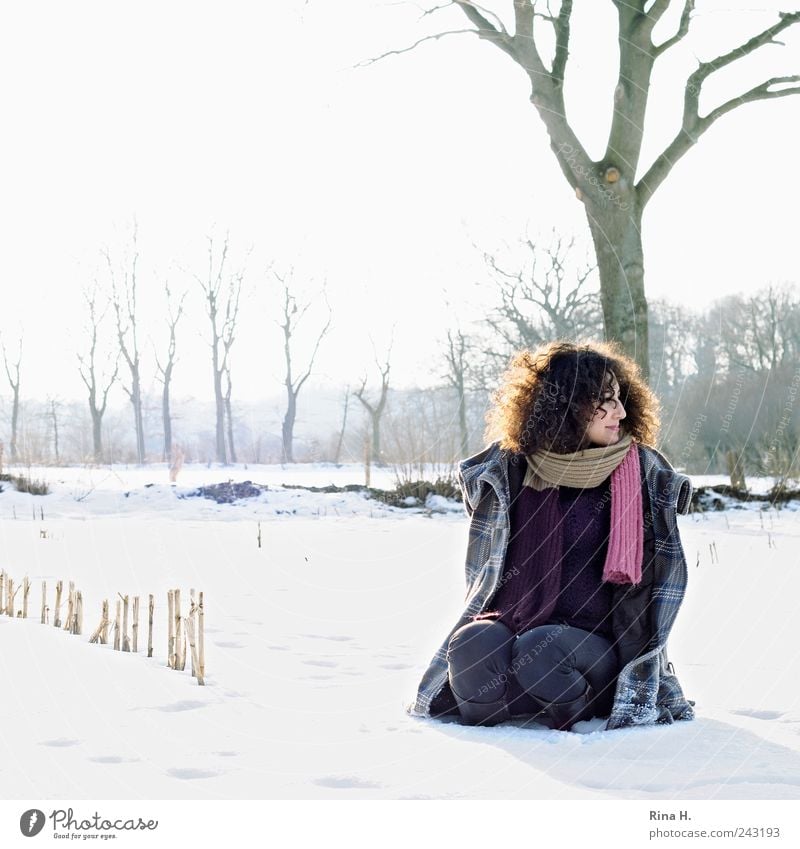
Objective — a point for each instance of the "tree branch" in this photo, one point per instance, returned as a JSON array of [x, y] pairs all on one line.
[[683, 29], [693, 126], [561, 26]]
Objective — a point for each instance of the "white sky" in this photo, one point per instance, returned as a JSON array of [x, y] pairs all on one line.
[[200, 117]]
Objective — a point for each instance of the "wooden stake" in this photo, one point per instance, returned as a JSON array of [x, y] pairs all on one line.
[[190, 625], [10, 597], [171, 629], [179, 660], [126, 643], [57, 609], [2, 591], [26, 588], [135, 626], [78, 624], [150, 606], [116, 630], [201, 651], [101, 632], [44, 602], [70, 606], [193, 648]]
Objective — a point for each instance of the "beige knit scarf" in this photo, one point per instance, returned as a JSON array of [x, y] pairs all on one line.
[[586, 468]]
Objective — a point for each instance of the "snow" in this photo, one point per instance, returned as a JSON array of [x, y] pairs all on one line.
[[316, 641]]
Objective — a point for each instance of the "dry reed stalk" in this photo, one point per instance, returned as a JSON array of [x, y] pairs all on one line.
[[135, 626], [126, 643], [26, 588], [171, 629], [57, 609], [150, 608], [116, 629], [179, 644], [9, 596], [101, 632], [44, 602], [193, 647], [201, 643]]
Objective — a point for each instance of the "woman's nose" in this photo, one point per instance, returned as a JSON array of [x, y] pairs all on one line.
[[619, 411]]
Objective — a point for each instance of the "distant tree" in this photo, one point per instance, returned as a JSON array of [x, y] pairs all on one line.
[[123, 297], [376, 408], [174, 313], [97, 382], [222, 308], [291, 315], [12, 372]]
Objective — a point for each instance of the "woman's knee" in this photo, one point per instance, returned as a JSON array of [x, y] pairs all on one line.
[[479, 638]]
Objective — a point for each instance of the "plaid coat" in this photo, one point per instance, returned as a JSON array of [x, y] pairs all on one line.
[[642, 615]]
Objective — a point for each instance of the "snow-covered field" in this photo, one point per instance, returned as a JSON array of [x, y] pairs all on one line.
[[316, 641]]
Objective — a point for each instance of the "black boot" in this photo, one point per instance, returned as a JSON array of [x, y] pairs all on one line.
[[561, 716]]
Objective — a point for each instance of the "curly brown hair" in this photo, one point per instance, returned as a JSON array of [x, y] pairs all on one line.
[[547, 397]]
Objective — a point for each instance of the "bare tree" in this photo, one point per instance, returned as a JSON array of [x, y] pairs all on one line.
[[613, 189], [291, 315], [340, 440], [174, 313], [53, 406], [12, 372], [222, 309], [456, 356], [123, 293], [375, 408], [89, 365]]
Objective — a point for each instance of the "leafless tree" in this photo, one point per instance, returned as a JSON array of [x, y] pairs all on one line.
[[53, 407], [222, 308], [12, 372], [456, 357], [615, 189], [97, 383], [537, 304], [345, 405], [375, 408], [291, 315], [123, 298], [174, 313]]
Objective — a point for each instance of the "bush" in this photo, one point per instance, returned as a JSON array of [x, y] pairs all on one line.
[[25, 484]]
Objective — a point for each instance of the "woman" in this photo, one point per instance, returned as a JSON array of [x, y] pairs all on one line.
[[575, 569]]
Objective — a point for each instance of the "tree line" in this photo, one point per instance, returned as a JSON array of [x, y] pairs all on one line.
[[727, 376]]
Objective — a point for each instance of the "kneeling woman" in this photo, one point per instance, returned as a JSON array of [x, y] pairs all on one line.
[[575, 569]]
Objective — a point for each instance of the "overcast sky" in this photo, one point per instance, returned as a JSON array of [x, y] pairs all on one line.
[[255, 118]]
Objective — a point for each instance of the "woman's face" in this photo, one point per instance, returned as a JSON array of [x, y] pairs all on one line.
[[604, 427]]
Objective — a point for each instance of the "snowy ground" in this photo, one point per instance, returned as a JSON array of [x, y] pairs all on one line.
[[316, 641]]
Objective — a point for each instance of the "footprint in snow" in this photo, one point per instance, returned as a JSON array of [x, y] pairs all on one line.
[[179, 706], [344, 782], [336, 637], [112, 759], [227, 645], [326, 663], [188, 774], [226, 754], [60, 742], [395, 666], [278, 648], [759, 714]]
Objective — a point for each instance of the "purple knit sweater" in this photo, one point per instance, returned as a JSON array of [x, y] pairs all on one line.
[[583, 599]]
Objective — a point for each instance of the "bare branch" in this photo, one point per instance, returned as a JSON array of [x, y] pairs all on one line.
[[683, 29], [561, 25], [693, 125], [434, 37]]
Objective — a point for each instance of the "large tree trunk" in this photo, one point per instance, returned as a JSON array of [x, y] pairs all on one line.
[[617, 235], [97, 438], [219, 400], [136, 401], [288, 426], [376, 440], [229, 418], [462, 418], [14, 423], [167, 419]]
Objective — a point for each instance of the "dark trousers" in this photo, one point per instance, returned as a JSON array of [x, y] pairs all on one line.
[[508, 674]]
